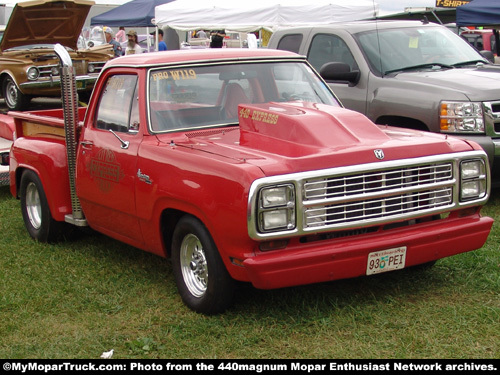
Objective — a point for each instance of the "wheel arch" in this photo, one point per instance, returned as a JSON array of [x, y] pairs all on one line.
[[3, 76], [168, 221], [48, 162], [21, 101], [56, 205]]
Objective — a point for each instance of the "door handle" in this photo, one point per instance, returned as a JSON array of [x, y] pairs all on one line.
[[87, 145]]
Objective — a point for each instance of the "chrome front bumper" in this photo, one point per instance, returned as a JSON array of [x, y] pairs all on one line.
[[82, 83]]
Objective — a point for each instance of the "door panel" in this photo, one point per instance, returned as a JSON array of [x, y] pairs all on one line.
[[107, 161]]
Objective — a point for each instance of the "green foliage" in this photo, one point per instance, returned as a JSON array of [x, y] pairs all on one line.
[[81, 297]]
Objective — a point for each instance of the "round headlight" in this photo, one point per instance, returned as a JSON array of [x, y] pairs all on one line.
[[33, 73], [91, 68], [54, 71]]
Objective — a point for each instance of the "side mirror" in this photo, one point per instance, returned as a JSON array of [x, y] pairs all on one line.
[[4, 159], [488, 55], [340, 72]]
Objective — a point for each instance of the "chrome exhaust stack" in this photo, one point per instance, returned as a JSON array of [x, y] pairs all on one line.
[[70, 110]]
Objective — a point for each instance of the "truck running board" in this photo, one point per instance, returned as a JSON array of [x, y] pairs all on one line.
[[75, 221]]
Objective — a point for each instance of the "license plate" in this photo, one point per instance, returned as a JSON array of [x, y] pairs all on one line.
[[386, 260]]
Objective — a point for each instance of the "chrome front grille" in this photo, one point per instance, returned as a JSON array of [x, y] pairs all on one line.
[[47, 71], [492, 118], [361, 197], [81, 68], [373, 182], [338, 200]]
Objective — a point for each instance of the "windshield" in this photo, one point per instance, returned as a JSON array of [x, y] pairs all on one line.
[[206, 96], [404, 48], [91, 36]]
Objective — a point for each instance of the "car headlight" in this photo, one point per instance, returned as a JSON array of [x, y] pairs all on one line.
[[276, 210], [54, 71], [33, 73], [461, 117], [472, 179], [91, 68]]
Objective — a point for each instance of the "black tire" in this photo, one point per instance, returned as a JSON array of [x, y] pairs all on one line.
[[194, 258], [15, 100], [35, 209]]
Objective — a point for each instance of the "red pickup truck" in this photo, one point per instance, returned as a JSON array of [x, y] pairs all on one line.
[[242, 165]]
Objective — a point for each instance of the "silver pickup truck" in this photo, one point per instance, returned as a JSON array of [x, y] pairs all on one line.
[[410, 74]]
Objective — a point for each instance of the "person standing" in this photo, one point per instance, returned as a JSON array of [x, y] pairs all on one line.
[[133, 46], [117, 48], [201, 34], [162, 46], [217, 38], [120, 36]]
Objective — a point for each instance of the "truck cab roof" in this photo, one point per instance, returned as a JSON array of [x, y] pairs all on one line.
[[181, 56]]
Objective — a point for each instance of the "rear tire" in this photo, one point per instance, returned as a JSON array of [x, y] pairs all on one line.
[[202, 279], [35, 209]]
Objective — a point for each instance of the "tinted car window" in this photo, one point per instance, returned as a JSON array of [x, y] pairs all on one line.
[[329, 48], [290, 43]]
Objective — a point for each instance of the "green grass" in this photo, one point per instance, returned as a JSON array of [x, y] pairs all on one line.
[[84, 296]]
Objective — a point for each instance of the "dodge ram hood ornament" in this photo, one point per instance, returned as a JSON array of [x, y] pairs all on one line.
[[379, 154]]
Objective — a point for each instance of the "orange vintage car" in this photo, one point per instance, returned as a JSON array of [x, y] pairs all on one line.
[[28, 65]]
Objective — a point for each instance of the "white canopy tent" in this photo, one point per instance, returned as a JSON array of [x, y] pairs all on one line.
[[254, 15]]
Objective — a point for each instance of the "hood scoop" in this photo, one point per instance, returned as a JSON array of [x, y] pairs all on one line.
[[299, 128]]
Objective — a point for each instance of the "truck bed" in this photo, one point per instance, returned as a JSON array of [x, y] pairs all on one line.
[[41, 122], [30, 124]]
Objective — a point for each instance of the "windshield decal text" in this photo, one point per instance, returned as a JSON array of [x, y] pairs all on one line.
[[176, 75]]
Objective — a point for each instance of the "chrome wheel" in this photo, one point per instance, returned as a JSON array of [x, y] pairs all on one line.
[[194, 265], [194, 256], [33, 206], [35, 209], [11, 94]]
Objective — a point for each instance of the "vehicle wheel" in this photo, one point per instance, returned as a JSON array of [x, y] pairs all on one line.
[[14, 99], [35, 209], [202, 279]]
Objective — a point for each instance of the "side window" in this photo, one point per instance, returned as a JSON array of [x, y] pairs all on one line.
[[290, 43], [118, 107], [329, 48]]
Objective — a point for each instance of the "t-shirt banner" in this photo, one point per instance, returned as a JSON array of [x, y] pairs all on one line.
[[451, 3]]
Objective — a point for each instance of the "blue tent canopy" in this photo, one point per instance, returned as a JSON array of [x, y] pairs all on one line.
[[135, 13], [479, 13]]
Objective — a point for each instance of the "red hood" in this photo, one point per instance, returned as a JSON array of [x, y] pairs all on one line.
[[293, 137]]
